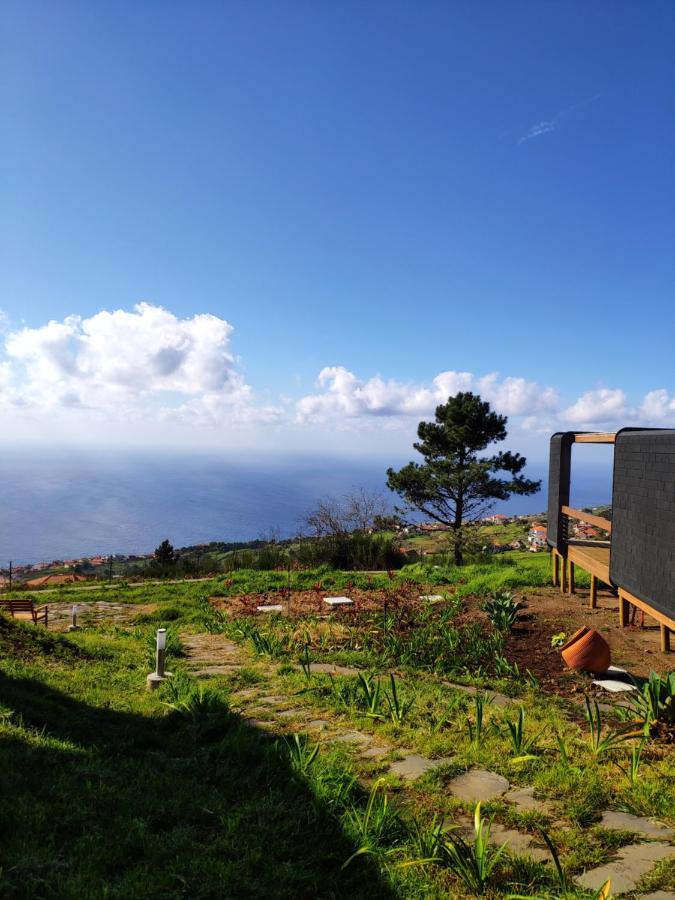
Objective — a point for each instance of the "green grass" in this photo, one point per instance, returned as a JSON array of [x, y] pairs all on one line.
[[111, 791]]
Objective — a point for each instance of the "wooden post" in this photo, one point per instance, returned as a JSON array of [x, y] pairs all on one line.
[[624, 610], [556, 567], [572, 585], [594, 592], [563, 580], [665, 639]]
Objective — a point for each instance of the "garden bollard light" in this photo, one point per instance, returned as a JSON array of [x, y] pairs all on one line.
[[73, 620], [159, 675]]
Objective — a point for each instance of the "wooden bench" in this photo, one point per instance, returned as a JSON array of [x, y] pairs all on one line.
[[24, 609]]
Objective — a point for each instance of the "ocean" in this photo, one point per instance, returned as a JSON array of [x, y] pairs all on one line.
[[65, 503]]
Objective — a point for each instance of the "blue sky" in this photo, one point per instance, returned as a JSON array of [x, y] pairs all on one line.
[[380, 190]]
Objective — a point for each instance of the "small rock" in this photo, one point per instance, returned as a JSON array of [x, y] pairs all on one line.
[[621, 821], [413, 766], [631, 863], [478, 785]]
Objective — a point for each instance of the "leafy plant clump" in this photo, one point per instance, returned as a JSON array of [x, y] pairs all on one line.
[[503, 609]]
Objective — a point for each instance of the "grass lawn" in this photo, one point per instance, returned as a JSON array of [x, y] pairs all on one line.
[[201, 789]]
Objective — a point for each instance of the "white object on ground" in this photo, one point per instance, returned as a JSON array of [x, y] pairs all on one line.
[[277, 607], [338, 601], [615, 680], [432, 598]]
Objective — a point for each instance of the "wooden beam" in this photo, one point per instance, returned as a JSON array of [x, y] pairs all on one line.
[[627, 600], [572, 584], [599, 437], [665, 638], [598, 521], [555, 559], [624, 610], [563, 580], [594, 592]]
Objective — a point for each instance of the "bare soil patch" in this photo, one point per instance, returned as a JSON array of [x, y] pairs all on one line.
[[547, 612]]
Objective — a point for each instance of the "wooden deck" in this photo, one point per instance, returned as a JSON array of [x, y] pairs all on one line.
[[594, 560]]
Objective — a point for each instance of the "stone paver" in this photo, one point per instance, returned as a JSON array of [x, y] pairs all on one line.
[[331, 669], [375, 752], [225, 669], [621, 821], [659, 895], [338, 601], [478, 785], [353, 737], [432, 598], [271, 700], [492, 696], [318, 724], [294, 713], [518, 842], [630, 864], [524, 799], [270, 608], [413, 766]]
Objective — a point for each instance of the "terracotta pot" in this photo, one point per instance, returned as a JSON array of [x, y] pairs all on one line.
[[587, 650]]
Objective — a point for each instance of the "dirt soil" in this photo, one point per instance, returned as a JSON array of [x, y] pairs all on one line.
[[547, 612]]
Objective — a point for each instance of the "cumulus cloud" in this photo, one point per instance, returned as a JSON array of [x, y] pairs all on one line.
[[126, 362], [342, 393], [658, 407], [598, 407]]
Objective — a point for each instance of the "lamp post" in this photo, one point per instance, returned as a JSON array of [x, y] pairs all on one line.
[[155, 678], [73, 620]]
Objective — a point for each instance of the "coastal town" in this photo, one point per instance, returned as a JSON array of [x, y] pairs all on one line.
[[498, 533]]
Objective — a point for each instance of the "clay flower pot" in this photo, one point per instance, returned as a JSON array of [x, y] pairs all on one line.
[[587, 650]]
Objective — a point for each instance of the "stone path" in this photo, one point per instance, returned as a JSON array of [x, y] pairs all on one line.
[[211, 654], [214, 654]]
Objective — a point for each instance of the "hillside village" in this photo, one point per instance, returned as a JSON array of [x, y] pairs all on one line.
[[499, 533]]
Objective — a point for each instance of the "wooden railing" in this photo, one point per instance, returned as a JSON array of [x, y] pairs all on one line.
[[582, 516]]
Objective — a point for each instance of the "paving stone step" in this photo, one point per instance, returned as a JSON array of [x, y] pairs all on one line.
[[629, 866], [478, 785], [621, 821], [413, 766]]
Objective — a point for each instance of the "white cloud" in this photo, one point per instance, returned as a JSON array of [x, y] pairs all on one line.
[[124, 363], [147, 371], [658, 408], [598, 407], [343, 394]]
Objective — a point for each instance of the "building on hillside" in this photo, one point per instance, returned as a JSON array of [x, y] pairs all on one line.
[[536, 537], [497, 519]]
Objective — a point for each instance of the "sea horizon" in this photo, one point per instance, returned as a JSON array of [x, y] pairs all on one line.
[[67, 504]]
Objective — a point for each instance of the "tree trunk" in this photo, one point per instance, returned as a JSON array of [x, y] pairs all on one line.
[[459, 556]]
